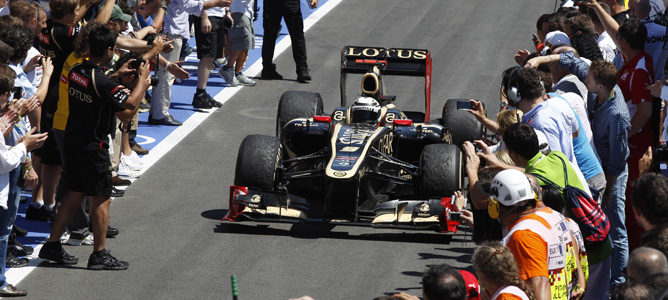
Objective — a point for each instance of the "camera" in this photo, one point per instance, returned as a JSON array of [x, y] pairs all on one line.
[[136, 64], [154, 80]]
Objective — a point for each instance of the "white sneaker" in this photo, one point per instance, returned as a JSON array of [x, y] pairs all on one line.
[[136, 159], [65, 236], [229, 77], [243, 80], [130, 163], [124, 171]]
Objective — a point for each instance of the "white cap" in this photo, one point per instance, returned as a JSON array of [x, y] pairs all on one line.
[[510, 187], [554, 38]]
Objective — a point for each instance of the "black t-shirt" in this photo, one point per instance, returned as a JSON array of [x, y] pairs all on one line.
[[623, 16], [56, 41], [94, 99]]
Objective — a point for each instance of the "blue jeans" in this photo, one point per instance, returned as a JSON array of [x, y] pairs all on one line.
[[618, 236], [7, 218]]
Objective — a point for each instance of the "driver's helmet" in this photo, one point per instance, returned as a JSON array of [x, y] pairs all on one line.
[[365, 109]]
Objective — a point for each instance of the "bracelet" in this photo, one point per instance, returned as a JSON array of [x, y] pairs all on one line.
[[167, 65]]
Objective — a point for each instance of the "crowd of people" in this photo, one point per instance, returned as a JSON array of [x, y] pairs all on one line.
[[74, 77], [573, 189]]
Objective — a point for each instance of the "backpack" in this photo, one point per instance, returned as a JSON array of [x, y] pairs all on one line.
[[586, 212]]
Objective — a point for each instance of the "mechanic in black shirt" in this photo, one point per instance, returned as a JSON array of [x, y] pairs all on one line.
[[56, 41], [94, 101]]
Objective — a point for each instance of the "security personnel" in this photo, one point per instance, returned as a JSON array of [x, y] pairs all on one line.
[[539, 238], [94, 101], [290, 10]]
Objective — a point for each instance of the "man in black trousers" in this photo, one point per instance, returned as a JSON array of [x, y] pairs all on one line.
[[290, 10]]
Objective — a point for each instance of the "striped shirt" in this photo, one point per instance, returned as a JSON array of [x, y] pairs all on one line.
[[610, 124]]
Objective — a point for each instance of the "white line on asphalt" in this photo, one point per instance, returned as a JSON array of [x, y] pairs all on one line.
[[15, 275]]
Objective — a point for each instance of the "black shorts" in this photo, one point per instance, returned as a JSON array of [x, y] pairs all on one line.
[[87, 170], [49, 152], [210, 44]]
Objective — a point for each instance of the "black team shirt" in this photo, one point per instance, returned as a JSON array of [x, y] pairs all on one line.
[[56, 41], [94, 99]]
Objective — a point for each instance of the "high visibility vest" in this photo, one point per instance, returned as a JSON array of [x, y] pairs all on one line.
[[561, 261]]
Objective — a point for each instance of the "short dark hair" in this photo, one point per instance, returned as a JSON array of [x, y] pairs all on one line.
[[632, 291], [521, 139], [541, 20], [604, 73], [553, 23], [80, 45], [650, 197], [443, 282], [6, 51], [7, 76], [60, 8], [592, 12], [20, 38], [633, 31], [23, 10], [528, 83], [581, 23], [99, 40], [553, 199], [505, 77]]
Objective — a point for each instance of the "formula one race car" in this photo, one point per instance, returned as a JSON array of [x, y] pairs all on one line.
[[364, 164]]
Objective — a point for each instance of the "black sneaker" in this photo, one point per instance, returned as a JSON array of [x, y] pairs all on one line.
[[54, 251], [212, 101], [111, 232], [17, 247], [269, 72], [39, 214], [201, 101], [117, 193], [103, 260], [15, 262], [18, 231], [303, 75]]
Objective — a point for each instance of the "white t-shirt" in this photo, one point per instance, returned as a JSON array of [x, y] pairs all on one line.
[[609, 50], [654, 46], [35, 76], [243, 6]]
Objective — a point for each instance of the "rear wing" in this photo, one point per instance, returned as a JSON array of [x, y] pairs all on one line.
[[392, 61]]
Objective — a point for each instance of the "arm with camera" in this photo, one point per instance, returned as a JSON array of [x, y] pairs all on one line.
[[478, 111], [132, 103]]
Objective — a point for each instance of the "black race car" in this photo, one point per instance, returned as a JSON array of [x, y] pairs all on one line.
[[368, 163]]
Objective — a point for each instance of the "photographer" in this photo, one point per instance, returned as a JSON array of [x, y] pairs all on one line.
[[86, 147]]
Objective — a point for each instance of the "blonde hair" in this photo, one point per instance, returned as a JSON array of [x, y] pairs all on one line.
[[497, 264], [504, 157], [508, 117]]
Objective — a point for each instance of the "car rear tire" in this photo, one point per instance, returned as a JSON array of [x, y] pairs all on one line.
[[257, 162], [441, 170], [297, 104], [461, 124]]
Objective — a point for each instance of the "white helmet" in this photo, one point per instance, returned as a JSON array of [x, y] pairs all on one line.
[[365, 109], [510, 187]]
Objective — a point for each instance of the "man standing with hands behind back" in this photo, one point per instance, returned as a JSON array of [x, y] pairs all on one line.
[[289, 10]]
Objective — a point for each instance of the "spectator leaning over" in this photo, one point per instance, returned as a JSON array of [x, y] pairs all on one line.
[[440, 282], [87, 150], [645, 262], [177, 28], [650, 207], [242, 39], [533, 236], [633, 78], [558, 123], [498, 274], [565, 82], [522, 145], [210, 39], [290, 10], [10, 158]]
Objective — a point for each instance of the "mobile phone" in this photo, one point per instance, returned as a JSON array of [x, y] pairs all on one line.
[[464, 105], [455, 216], [18, 92]]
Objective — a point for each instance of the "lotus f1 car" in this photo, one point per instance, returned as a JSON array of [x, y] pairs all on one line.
[[368, 163]]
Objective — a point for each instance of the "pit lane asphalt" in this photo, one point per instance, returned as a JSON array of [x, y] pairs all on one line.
[[169, 219]]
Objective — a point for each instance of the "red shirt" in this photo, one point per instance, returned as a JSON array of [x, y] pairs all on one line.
[[634, 76]]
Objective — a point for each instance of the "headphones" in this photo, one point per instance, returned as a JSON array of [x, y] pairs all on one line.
[[513, 92]]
